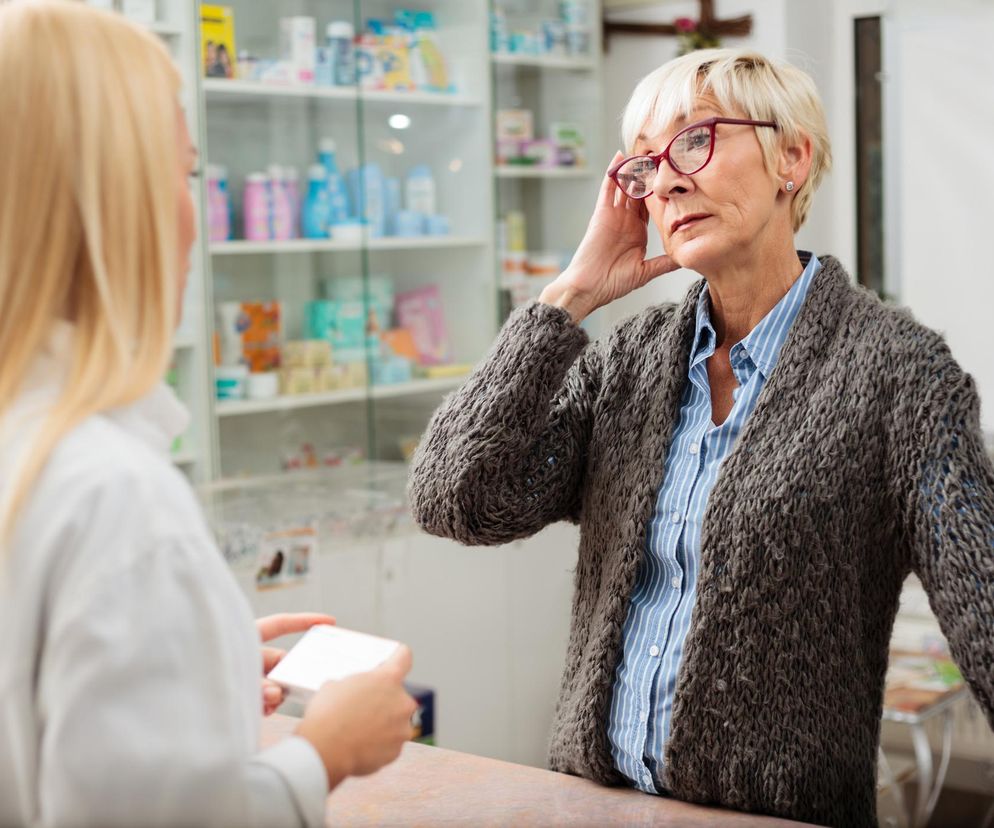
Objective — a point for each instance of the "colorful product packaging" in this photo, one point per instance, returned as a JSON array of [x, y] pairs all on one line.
[[217, 27], [249, 334], [422, 313], [298, 39]]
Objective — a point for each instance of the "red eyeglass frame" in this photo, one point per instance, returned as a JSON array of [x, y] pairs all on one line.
[[711, 123]]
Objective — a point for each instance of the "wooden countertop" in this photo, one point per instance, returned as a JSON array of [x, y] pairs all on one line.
[[430, 786]]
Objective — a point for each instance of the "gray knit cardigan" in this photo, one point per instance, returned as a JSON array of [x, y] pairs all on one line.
[[862, 461]]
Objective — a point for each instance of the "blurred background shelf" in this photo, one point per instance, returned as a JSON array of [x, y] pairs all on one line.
[[289, 402], [575, 64], [538, 172], [235, 248], [225, 90]]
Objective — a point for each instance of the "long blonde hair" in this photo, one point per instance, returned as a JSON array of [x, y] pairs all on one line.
[[88, 213]]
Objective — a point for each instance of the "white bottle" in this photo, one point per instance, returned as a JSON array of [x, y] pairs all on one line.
[[420, 190]]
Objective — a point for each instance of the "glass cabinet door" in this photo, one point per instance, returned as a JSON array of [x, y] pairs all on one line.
[[349, 211], [546, 91]]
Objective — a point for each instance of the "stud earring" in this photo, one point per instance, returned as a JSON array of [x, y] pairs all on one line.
[[789, 187]]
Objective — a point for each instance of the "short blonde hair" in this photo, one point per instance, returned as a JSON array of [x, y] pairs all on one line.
[[745, 82], [88, 218]]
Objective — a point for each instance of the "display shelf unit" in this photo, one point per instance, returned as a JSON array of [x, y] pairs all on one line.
[[553, 203], [249, 125]]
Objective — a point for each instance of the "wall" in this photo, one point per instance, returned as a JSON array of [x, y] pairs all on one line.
[[939, 73]]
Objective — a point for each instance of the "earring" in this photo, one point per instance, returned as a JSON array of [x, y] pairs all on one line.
[[789, 186]]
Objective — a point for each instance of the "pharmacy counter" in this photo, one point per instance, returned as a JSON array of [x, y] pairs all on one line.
[[431, 786]]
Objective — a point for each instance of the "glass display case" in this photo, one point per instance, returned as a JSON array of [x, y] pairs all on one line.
[[349, 223], [547, 132], [381, 184]]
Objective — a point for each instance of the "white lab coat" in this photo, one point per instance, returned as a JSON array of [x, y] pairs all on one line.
[[129, 660]]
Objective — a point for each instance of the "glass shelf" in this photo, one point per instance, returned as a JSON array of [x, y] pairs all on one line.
[[217, 90], [349, 395], [575, 64], [539, 172], [233, 248]]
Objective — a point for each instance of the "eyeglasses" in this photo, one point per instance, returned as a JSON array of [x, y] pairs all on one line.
[[689, 152]]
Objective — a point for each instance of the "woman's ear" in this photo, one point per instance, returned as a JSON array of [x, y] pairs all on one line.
[[795, 161]]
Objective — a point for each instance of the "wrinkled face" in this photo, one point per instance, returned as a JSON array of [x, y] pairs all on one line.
[[711, 217], [186, 165]]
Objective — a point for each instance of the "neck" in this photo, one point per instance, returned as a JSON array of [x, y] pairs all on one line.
[[743, 292]]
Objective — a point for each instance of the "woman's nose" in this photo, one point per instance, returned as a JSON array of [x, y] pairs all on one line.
[[668, 182]]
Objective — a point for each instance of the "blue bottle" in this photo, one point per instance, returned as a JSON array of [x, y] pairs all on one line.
[[316, 215], [337, 192], [368, 186], [223, 185]]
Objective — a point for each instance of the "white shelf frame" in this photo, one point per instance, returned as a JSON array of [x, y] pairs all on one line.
[[244, 248], [217, 90], [566, 63], [512, 172], [291, 402]]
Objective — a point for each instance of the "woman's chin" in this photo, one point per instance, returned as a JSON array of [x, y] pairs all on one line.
[[698, 254]]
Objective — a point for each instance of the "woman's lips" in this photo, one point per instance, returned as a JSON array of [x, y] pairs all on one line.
[[689, 221]]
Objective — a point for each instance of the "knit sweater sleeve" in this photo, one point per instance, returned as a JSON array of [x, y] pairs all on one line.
[[949, 511], [504, 456]]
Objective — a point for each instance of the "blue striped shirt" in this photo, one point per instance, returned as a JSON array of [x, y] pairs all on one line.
[[658, 617]]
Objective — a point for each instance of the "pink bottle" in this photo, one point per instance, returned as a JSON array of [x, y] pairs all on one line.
[[218, 220], [282, 213], [256, 207]]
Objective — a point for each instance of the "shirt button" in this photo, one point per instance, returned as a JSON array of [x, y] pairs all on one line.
[[643, 717], [694, 448], [675, 517], [646, 779], [675, 582], [654, 651]]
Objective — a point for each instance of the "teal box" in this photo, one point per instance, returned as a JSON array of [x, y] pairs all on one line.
[[343, 324]]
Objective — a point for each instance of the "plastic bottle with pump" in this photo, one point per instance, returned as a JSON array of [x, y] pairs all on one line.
[[317, 206]]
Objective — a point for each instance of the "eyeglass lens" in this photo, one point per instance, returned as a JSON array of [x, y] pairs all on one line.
[[688, 154]]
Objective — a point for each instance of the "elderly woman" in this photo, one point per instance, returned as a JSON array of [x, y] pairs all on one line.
[[755, 470]]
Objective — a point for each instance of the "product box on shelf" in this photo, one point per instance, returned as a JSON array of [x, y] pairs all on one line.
[[217, 27], [248, 333], [421, 312], [346, 324], [424, 717], [298, 40], [515, 125]]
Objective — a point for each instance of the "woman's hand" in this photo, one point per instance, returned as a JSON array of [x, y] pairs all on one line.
[[360, 724], [274, 626], [610, 261]]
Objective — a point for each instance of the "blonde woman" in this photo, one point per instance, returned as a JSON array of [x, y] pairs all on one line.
[[755, 470], [130, 677]]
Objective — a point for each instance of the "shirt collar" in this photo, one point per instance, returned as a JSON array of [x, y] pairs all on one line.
[[764, 342], [156, 419]]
